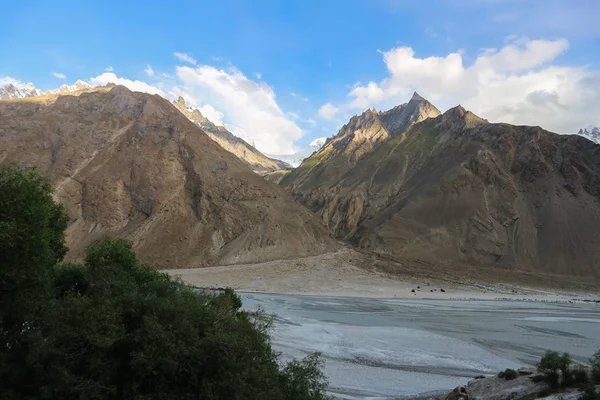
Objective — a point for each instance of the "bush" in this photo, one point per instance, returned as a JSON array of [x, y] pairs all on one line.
[[578, 375], [589, 394], [510, 374], [113, 328], [595, 362], [552, 365]]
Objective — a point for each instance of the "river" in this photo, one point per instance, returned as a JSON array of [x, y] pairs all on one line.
[[385, 349]]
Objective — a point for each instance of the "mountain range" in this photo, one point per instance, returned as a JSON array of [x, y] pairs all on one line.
[[257, 161], [130, 164], [454, 188], [12, 91], [448, 188]]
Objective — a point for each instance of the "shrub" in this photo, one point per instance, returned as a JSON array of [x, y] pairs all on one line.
[[589, 394], [578, 375], [595, 362], [552, 365], [510, 374]]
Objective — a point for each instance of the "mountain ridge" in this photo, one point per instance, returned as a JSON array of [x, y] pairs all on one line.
[[455, 188], [129, 164], [257, 161]]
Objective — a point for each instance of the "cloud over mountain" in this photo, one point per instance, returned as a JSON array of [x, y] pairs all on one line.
[[520, 83]]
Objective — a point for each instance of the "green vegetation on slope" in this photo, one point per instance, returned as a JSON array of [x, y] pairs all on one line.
[[113, 328]]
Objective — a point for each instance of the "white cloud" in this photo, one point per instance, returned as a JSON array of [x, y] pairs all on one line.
[[7, 80], [250, 107], [328, 111], [215, 116], [149, 71], [108, 69], [515, 84], [138, 86], [185, 58], [59, 75], [293, 94], [258, 75]]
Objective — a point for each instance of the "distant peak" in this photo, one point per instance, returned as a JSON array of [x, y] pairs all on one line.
[[459, 116], [181, 100], [318, 142], [417, 97]]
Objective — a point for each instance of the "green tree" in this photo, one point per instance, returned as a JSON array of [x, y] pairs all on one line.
[[113, 328], [552, 365], [122, 330], [31, 242]]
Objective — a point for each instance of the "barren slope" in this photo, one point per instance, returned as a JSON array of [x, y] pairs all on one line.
[[129, 164], [458, 189]]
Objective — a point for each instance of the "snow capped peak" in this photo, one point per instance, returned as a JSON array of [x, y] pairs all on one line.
[[591, 132], [79, 85], [318, 143], [18, 91], [296, 159]]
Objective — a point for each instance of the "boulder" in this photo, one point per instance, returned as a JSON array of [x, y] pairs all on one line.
[[460, 393]]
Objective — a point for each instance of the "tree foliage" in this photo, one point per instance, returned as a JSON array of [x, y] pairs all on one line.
[[113, 328], [553, 365]]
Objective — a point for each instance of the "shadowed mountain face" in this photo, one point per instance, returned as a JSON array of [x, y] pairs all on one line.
[[129, 164], [257, 161], [457, 189]]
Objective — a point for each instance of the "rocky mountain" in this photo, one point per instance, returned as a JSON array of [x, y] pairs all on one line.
[[64, 89], [11, 91], [257, 161], [296, 159], [591, 132], [454, 188], [130, 164], [360, 136]]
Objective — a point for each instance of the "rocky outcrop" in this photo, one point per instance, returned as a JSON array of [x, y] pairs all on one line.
[[129, 164], [257, 161], [460, 393], [362, 135], [457, 189]]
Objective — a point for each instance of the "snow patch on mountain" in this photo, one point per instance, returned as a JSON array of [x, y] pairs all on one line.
[[296, 159], [14, 90], [591, 132], [79, 85]]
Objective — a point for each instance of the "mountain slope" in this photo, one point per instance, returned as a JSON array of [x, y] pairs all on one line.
[[458, 189], [129, 164], [359, 137], [257, 161]]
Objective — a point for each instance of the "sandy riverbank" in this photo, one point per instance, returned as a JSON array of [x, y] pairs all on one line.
[[348, 273]]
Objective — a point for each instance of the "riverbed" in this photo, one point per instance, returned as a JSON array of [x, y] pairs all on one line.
[[389, 348]]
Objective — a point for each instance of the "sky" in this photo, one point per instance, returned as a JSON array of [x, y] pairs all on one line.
[[282, 73]]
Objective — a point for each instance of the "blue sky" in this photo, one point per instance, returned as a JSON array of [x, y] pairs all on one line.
[[285, 72]]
